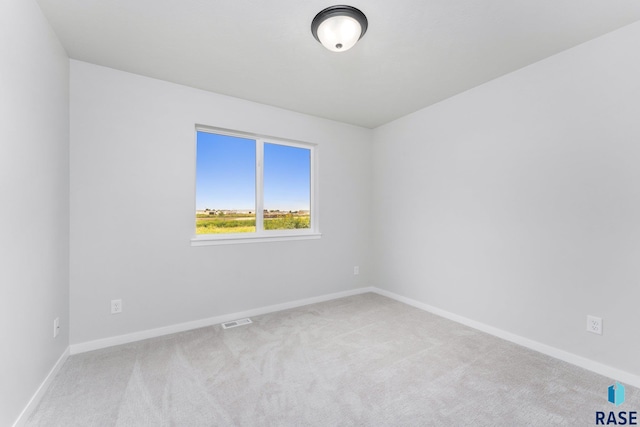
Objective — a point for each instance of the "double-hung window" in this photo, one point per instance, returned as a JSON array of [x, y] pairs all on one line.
[[253, 188]]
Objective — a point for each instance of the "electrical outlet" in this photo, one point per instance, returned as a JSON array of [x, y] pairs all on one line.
[[594, 325], [116, 306], [356, 270], [56, 327]]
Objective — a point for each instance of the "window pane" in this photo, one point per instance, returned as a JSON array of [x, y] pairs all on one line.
[[225, 184], [287, 187]]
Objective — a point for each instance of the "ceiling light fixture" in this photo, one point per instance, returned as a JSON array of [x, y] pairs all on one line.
[[338, 28]]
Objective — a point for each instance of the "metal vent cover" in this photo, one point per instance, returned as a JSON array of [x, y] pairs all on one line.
[[235, 323]]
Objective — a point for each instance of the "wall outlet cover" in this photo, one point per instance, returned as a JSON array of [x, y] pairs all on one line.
[[116, 306], [594, 324], [56, 327]]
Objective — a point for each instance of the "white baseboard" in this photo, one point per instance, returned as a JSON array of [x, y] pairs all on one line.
[[582, 362], [37, 397], [574, 359], [181, 327]]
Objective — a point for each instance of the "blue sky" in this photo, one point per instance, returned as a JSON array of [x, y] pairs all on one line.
[[225, 174]]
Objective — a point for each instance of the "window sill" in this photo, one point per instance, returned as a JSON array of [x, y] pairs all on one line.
[[227, 239]]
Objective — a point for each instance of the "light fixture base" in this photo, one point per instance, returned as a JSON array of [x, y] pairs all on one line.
[[339, 27]]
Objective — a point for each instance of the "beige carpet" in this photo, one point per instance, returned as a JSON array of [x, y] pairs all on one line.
[[365, 360]]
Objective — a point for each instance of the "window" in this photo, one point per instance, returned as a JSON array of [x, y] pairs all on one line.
[[253, 188]]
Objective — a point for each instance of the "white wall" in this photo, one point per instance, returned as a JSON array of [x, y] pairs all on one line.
[[517, 203], [133, 152], [34, 195]]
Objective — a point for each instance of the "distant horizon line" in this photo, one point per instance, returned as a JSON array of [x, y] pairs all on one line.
[[252, 210]]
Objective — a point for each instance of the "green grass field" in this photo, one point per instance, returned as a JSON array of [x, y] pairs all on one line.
[[247, 223]]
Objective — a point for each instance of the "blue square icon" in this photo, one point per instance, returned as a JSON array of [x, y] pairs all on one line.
[[616, 394]]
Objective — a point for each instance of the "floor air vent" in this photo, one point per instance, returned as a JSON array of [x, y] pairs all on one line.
[[235, 323]]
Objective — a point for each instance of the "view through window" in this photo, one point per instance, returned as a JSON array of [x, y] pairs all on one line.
[[246, 185], [287, 175]]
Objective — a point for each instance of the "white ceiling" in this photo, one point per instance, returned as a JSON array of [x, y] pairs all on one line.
[[414, 54]]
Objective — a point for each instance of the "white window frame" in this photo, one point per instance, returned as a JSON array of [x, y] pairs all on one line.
[[261, 235]]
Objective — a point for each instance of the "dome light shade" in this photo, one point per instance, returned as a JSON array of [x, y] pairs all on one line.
[[338, 28]]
